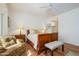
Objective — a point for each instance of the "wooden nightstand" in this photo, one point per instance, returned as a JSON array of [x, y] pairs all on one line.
[[20, 37]]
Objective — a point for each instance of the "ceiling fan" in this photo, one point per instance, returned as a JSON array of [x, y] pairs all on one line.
[[48, 6]]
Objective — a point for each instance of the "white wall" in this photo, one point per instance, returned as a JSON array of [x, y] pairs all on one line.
[[54, 19], [18, 19], [69, 27]]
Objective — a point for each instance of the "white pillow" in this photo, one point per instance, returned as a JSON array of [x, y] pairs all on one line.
[[18, 42], [32, 31]]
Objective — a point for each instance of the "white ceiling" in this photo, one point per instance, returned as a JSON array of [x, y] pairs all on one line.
[[36, 10]]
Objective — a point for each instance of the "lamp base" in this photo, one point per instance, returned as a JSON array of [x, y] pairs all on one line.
[[20, 32]]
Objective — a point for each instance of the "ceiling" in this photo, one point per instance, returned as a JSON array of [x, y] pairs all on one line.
[[36, 10]]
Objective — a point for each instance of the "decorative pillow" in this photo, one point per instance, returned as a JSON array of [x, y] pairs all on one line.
[[7, 39], [14, 39], [18, 41], [2, 49], [31, 31], [34, 31], [9, 43], [21, 40]]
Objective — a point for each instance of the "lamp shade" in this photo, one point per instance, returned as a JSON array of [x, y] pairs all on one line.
[[52, 24], [21, 29]]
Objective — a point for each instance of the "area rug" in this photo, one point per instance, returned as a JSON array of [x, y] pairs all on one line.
[[72, 53]]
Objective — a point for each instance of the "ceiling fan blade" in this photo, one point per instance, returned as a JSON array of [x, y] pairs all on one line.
[[44, 7], [50, 4]]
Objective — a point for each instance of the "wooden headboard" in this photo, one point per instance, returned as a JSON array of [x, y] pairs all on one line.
[[28, 31]]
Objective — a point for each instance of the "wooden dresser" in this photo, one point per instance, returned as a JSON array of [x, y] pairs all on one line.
[[20, 37], [46, 38]]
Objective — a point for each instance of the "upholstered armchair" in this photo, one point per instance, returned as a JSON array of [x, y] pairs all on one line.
[[11, 48]]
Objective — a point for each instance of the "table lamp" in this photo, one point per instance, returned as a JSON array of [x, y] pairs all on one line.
[[20, 29]]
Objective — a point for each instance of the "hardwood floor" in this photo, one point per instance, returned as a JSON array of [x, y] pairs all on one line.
[[30, 51]]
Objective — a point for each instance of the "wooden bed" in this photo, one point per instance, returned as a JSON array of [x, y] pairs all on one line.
[[42, 39]]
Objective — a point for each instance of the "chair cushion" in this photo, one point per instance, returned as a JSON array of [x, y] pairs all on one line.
[[8, 41], [0, 43], [2, 49], [53, 45]]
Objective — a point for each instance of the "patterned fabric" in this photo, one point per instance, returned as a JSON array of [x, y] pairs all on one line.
[[8, 41], [2, 49], [17, 50], [12, 47], [0, 43]]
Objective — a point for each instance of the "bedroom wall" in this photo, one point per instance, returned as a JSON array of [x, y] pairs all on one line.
[[54, 19], [18, 19], [69, 27]]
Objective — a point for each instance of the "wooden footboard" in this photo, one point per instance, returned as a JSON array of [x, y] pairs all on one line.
[[45, 38]]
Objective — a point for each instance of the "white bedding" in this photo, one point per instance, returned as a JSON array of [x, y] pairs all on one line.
[[34, 39]]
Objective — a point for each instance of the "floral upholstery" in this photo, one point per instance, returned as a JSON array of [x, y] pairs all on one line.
[[16, 50], [11, 46]]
